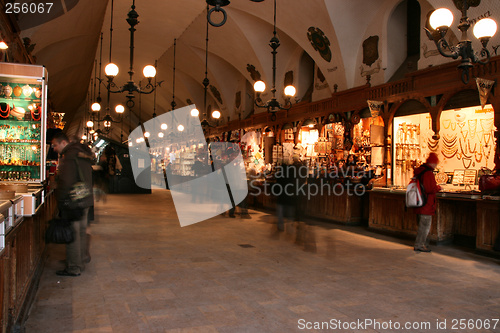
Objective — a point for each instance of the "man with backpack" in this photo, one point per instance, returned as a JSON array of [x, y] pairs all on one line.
[[425, 213]]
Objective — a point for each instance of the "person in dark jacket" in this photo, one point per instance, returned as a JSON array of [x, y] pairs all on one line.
[[73, 155], [425, 213]]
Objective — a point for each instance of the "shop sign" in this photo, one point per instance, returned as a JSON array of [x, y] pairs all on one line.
[[375, 107]]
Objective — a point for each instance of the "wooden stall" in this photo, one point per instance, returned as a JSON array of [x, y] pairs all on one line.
[[21, 265], [488, 224], [346, 208], [467, 220]]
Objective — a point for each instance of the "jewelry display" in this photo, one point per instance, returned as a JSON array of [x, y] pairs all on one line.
[[408, 150], [462, 150], [486, 152], [478, 160], [432, 144], [450, 141], [21, 146], [449, 152], [487, 137], [472, 127], [464, 134], [487, 124], [467, 162], [470, 150]]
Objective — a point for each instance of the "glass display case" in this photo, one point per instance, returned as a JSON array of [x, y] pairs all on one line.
[[22, 123]]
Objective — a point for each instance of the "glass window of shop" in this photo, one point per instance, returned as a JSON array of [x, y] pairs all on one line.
[[466, 145]]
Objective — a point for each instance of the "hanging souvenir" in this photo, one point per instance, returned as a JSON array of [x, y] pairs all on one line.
[[375, 107]]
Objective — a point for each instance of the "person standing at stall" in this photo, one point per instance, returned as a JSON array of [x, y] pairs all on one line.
[[75, 162], [425, 213]]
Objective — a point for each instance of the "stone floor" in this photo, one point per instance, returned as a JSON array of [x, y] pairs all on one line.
[[239, 275]]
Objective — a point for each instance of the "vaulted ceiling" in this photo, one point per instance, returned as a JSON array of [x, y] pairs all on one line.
[[68, 43]]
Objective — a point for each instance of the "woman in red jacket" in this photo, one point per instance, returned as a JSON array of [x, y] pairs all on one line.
[[425, 213]]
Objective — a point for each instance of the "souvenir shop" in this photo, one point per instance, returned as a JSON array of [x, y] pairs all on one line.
[[465, 144]]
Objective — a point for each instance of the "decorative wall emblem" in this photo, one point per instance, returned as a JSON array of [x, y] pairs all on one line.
[[320, 42], [216, 94], [370, 50], [373, 70], [254, 74]]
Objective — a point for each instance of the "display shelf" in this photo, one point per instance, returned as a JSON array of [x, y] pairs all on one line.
[[20, 165], [22, 123]]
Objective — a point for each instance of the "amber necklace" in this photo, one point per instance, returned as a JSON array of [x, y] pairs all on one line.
[[453, 126], [433, 145], [487, 137], [36, 116], [486, 153], [480, 157], [446, 123], [472, 128], [449, 154], [450, 140], [469, 160], [470, 150], [462, 150], [5, 111], [449, 151], [486, 124], [464, 134]]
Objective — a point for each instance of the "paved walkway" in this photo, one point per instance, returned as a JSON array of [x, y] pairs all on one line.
[[239, 275]]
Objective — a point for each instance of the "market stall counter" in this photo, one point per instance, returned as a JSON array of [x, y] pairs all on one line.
[[465, 218], [22, 240]]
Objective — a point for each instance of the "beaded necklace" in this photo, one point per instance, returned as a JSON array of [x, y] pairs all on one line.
[[4, 110]]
